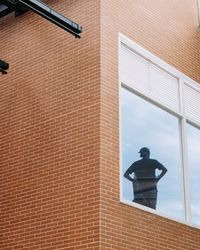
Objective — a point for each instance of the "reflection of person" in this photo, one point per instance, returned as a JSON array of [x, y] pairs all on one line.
[[145, 179]]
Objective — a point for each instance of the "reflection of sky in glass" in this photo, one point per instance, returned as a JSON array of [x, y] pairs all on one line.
[[145, 125], [193, 138]]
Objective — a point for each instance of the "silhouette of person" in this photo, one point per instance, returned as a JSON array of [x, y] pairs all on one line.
[[145, 179]]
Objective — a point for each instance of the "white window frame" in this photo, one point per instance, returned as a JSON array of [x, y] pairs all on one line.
[[182, 81]]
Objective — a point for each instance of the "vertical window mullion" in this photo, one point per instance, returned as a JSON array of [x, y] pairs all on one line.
[[185, 170], [184, 152]]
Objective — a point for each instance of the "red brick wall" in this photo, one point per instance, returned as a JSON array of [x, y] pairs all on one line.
[[49, 124], [59, 144], [168, 29]]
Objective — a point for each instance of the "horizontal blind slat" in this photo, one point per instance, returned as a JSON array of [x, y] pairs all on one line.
[[134, 70], [192, 103], [164, 87]]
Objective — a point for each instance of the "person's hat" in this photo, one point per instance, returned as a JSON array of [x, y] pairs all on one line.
[[145, 150]]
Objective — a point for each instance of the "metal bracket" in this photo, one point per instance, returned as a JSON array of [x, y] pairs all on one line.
[[42, 9], [3, 67]]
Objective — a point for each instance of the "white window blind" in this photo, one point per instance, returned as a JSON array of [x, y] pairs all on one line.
[[134, 70], [142, 75], [164, 87], [192, 103]]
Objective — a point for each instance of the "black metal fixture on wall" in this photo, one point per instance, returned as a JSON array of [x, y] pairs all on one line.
[[42, 9], [3, 67]]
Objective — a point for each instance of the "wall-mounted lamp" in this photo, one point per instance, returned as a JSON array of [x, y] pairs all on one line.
[[3, 67]]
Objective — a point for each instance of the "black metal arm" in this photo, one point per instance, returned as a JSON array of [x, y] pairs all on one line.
[[7, 6]]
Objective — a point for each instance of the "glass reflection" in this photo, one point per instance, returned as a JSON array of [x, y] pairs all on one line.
[[145, 125], [193, 139], [145, 179]]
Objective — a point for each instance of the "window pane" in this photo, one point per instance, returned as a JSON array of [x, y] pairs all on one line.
[[145, 125], [193, 138]]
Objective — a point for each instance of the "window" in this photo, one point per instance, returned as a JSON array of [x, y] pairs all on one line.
[[160, 135], [144, 124]]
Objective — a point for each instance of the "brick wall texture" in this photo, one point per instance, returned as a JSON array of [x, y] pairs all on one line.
[[49, 123], [59, 125]]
